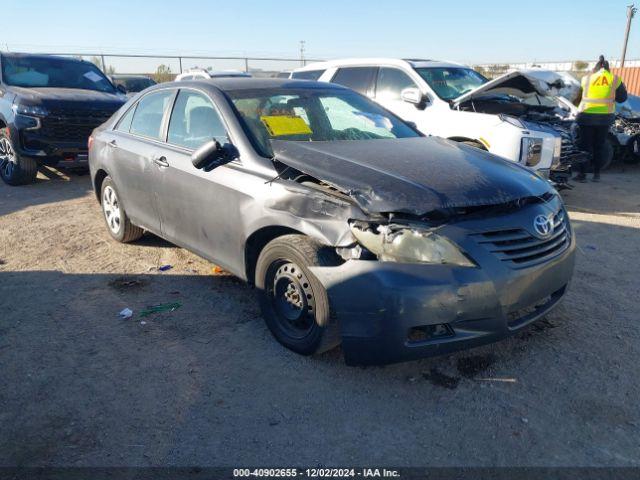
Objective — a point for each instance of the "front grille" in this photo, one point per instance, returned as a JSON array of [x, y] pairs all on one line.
[[520, 249], [73, 125]]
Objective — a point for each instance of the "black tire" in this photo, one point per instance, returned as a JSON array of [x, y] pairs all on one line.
[[473, 143], [122, 230], [14, 169], [294, 303], [630, 156]]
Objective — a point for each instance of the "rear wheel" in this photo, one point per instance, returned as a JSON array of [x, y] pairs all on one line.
[[294, 303], [14, 169], [118, 223]]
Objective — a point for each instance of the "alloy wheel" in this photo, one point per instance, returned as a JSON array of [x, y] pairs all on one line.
[[111, 208], [8, 159]]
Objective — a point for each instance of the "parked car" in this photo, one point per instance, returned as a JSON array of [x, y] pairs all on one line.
[[48, 107], [625, 132], [504, 116], [352, 225], [132, 84], [202, 74]]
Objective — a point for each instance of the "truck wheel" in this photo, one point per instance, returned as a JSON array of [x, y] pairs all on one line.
[[632, 154], [118, 223], [14, 169], [294, 303]]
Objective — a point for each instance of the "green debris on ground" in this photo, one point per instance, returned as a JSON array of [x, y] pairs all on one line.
[[163, 307]]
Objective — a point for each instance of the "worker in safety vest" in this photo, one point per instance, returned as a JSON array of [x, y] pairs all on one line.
[[601, 89]]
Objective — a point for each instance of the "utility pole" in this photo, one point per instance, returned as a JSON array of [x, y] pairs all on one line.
[[631, 11], [302, 44]]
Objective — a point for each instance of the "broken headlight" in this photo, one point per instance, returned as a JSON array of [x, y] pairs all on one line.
[[404, 244]]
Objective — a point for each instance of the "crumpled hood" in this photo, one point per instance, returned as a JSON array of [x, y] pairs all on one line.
[[411, 175], [68, 96], [516, 83]]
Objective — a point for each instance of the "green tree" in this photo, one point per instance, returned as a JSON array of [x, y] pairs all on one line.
[[580, 65], [163, 74]]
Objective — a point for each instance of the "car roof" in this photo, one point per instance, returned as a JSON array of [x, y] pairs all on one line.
[[399, 62], [251, 83], [41, 56], [129, 75]]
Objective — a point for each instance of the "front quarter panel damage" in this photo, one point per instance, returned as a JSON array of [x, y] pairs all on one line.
[[312, 211]]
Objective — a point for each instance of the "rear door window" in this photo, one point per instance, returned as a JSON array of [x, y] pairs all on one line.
[[391, 82], [195, 121], [359, 79], [308, 75], [125, 122], [147, 120]]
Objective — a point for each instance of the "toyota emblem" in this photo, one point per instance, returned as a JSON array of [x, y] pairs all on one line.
[[543, 225]]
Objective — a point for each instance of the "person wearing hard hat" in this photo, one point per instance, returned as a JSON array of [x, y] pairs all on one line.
[[601, 89]]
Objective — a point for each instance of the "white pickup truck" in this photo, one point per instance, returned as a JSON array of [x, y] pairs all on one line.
[[512, 116]]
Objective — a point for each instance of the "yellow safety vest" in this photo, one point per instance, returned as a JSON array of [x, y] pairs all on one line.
[[599, 92]]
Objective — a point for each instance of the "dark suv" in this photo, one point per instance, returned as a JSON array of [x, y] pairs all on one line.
[[48, 107]]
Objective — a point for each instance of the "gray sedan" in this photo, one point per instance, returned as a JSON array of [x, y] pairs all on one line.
[[353, 226]]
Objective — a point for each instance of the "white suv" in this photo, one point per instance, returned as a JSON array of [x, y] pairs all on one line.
[[510, 116], [201, 73]]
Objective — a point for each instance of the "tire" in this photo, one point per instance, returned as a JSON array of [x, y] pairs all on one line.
[[473, 143], [15, 169], [630, 157], [116, 219], [294, 303]]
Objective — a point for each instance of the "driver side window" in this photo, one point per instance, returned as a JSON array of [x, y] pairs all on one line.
[[391, 82], [195, 121]]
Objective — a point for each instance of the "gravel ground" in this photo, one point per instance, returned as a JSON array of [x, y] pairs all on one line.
[[207, 385]]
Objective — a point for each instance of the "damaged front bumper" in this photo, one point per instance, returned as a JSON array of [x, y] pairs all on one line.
[[390, 312]]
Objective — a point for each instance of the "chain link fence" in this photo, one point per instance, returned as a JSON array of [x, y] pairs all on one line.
[[164, 68]]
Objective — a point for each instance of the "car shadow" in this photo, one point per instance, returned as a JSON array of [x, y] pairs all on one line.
[[51, 186]]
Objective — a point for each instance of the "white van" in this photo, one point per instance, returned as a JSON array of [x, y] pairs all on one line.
[[511, 116]]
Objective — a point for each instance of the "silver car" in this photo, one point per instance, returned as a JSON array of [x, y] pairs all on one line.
[[353, 226]]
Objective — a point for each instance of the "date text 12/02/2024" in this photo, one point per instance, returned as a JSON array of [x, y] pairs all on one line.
[[316, 472]]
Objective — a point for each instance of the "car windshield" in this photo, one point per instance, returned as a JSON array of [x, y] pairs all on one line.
[[314, 115], [134, 84], [451, 82], [54, 73]]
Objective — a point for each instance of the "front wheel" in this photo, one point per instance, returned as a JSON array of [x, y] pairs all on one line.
[[14, 169], [294, 303]]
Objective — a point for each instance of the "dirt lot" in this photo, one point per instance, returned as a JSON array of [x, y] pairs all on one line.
[[207, 385]]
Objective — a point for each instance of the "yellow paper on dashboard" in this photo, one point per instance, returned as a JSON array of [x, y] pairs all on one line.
[[280, 125]]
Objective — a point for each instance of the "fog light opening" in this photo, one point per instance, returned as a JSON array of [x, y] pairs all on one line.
[[425, 333]]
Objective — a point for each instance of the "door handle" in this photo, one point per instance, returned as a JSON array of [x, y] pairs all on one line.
[[113, 144], [161, 161]]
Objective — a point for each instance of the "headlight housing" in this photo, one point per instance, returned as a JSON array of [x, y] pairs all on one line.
[[531, 151], [516, 122], [406, 244], [30, 110]]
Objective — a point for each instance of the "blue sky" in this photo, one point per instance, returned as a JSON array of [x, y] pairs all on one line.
[[466, 31]]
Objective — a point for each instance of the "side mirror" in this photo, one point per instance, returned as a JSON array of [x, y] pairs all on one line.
[[121, 88], [210, 155], [415, 96]]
